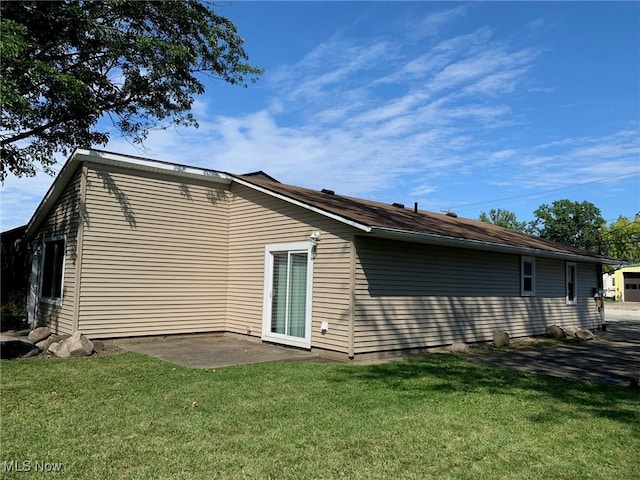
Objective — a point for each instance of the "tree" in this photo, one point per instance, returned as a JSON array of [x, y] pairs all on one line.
[[572, 223], [67, 64], [621, 239], [504, 218]]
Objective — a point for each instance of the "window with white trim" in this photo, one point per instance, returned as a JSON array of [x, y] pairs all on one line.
[[527, 276], [571, 281], [52, 270]]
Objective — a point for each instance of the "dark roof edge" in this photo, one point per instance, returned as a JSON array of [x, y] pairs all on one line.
[[434, 239]]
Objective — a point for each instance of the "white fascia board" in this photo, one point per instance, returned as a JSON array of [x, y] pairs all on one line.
[[359, 226], [149, 165], [54, 192], [393, 234]]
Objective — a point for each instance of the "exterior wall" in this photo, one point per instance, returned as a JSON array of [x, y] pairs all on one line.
[[257, 220], [415, 296], [64, 220], [154, 255]]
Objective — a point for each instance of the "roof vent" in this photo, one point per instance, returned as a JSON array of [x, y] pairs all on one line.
[[327, 191], [399, 205], [451, 214]]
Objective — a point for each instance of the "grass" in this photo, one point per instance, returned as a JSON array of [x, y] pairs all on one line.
[[438, 416]]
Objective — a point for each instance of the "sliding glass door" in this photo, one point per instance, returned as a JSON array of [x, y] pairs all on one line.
[[287, 294]]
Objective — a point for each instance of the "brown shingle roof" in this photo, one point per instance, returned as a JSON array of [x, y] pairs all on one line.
[[388, 219]]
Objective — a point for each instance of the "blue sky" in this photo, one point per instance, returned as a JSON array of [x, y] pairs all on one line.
[[456, 106]]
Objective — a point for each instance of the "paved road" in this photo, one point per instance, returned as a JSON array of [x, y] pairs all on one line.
[[613, 314]]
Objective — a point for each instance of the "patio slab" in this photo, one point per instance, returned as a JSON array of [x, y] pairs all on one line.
[[213, 351]]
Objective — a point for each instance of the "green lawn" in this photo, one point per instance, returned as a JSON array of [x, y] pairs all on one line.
[[433, 417]]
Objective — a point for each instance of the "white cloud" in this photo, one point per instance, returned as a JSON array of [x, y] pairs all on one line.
[[411, 111]]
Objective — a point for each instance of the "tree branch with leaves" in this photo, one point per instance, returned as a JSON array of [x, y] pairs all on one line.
[[67, 64]]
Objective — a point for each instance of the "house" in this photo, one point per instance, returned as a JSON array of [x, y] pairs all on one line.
[[129, 246], [625, 283]]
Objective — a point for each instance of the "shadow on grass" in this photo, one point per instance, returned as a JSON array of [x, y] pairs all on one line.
[[422, 377]]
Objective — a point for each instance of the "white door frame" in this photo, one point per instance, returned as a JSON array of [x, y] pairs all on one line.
[[267, 334]]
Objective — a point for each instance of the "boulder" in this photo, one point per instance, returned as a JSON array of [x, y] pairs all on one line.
[[44, 344], [59, 349], [459, 347], [584, 334], [571, 331], [38, 334], [554, 331], [14, 347], [500, 339], [79, 345]]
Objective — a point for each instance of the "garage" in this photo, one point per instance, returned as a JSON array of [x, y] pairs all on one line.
[[632, 287]]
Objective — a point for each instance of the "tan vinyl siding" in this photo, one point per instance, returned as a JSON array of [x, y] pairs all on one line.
[[154, 255], [63, 220], [257, 220], [413, 296]]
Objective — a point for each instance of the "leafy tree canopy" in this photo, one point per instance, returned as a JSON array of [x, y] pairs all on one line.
[[621, 239], [578, 224], [66, 64], [504, 218]]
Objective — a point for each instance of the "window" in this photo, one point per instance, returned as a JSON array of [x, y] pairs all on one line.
[[52, 269], [572, 293], [528, 276]]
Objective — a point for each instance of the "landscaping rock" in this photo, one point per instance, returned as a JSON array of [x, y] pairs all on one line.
[[44, 344], [500, 339], [571, 331], [79, 345], [584, 334], [38, 334], [459, 347], [554, 331], [13, 347], [59, 349]]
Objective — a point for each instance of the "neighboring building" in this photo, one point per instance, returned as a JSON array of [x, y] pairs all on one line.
[[609, 285], [626, 282], [129, 246]]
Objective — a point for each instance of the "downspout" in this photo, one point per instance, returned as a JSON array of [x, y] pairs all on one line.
[[82, 218], [352, 296]]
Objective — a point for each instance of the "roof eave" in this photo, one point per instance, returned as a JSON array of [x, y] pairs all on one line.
[[395, 234]]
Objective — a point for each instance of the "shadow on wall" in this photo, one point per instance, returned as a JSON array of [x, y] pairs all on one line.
[[413, 296], [110, 185], [383, 324]]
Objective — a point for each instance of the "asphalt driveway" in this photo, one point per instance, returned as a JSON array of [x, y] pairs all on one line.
[[612, 357]]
